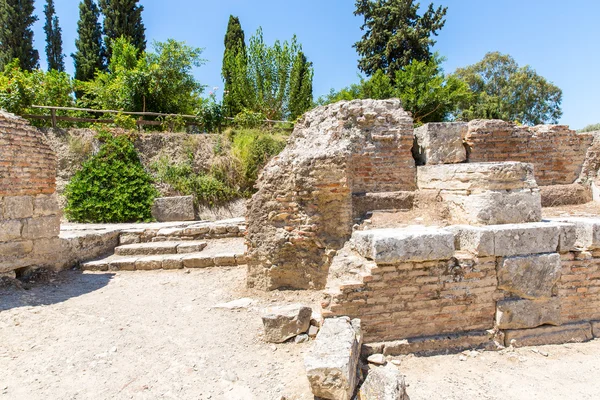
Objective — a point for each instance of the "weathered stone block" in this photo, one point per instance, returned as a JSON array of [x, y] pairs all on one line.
[[415, 243], [41, 227], [45, 205], [331, 365], [573, 333], [441, 143], [148, 263], [167, 209], [442, 343], [15, 249], [596, 328], [123, 264], [474, 239], [384, 383], [587, 231], [523, 314], [530, 277], [18, 207], [10, 230], [48, 246], [284, 322], [520, 239], [198, 261]]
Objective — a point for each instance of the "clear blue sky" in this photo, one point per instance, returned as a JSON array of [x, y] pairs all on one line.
[[561, 40]]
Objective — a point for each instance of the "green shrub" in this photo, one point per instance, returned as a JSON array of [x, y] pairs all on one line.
[[254, 149], [112, 185], [590, 128], [249, 119], [125, 121]]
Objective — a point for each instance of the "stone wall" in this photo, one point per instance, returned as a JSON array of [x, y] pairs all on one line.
[[536, 283], [557, 153], [303, 210], [29, 213]]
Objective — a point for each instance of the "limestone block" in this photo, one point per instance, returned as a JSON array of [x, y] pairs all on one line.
[[587, 231], [15, 249], [148, 263], [198, 261], [48, 246], [523, 314], [530, 277], [129, 238], [284, 322], [45, 205], [384, 383], [442, 343], [413, 243], [331, 364], [520, 239], [18, 207], [494, 207], [474, 239], [123, 264], [172, 262], [191, 247], [180, 208], [441, 143], [573, 333], [41, 227], [477, 176], [225, 260], [10, 230]]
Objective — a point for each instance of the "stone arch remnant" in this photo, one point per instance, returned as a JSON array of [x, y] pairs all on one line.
[[302, 212]]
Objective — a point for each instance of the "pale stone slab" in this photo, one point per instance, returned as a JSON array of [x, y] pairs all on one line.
[[520, 239], [41, 227], [152, 248], [191, 247], [477, 176], [225, 260], [198, 261], [442, 343], [331, 365], [530, 277], [384, 383], [284, 322], [414, 243], [167, 209], [587, 231], [523, 314], [18, 207], [441, 143], [45, 205], [474, 239], [10, 230], [172, 262], [123, 264], [149, 263], [573, 333], [596, 328]]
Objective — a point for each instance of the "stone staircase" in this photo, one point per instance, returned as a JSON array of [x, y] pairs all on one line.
[[197, 246]]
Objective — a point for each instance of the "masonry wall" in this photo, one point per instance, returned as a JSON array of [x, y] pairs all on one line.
[[557, 153], [29, 213]]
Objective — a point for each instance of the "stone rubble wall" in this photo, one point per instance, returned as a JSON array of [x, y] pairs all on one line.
[[520, 284], [29, 212]]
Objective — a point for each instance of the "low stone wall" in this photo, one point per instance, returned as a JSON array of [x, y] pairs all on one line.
[[520, 284], [29, 212]]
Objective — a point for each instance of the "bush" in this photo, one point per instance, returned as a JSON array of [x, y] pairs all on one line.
[[112, 185], [249, 119], [590, 128]]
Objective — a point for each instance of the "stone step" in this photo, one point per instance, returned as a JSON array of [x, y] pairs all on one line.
[[158, 248], [165, 261]]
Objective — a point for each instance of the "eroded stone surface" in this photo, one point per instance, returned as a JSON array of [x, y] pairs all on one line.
[[179, 208], [331, 365], [530, 277], [441, 143], [523, 314], [573, 333], [284, 322], [384, 383]]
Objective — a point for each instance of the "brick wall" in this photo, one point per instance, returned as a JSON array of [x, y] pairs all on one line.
[[579, 286], [556, 152]]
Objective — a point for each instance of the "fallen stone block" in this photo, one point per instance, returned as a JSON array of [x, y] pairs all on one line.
[[284, 322], [414, 243], [332, 363], [530, 277], [169, 209], [524, 314], [384, 383], [441, 143], [573, 333]]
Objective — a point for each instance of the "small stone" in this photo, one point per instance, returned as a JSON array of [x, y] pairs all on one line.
[[284, 322], [312, 331], [396, 362], [303, 338], [462, 358], [377, 359], [236, 304]]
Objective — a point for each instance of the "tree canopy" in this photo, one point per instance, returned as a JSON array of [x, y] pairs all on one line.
[[395, 34], [90, 54], [503, 90], [235, 46], [123, 18], [16, 36], [54, 51]]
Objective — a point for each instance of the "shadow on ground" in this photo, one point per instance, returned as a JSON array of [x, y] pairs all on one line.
[[61, 287]]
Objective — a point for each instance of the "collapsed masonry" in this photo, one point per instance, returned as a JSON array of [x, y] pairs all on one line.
[[29, 212], [499, 274]]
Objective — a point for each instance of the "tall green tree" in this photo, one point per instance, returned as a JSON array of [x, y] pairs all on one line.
[[395, 34], [16, 36], [90, 55], [54, 51], [234, 46], [503, 90], [301, 87], [123, 18]]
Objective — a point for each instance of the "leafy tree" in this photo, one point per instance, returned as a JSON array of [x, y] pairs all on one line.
[[261, 81], [422, 86], [90, 54], [234, 46], [123, 18], [112, 186], [395, 34], [503, 90], [54, 51], [590, 128], [16, 36], [161, 81], [301, 88]]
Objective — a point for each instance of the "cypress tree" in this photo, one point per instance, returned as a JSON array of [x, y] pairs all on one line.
[[16, 36], [301, 86], [234, 46], [54, 53], [90, 54], [123, 18]]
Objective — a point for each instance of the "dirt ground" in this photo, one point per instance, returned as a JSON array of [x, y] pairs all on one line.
[[157, 335]]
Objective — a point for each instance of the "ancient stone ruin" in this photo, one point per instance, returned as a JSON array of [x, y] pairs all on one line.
[[29, 212]]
